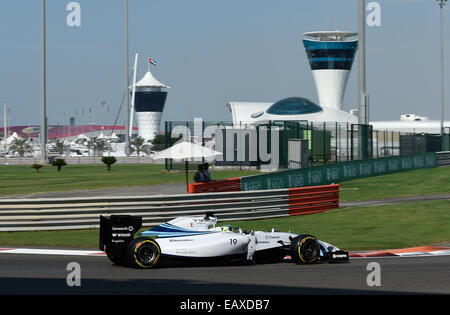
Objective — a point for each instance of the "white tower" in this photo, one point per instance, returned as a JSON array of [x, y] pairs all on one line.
[[331, 58], [150, 99]]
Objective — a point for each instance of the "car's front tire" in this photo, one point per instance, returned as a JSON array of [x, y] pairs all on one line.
[[144, 253], [305, 249]]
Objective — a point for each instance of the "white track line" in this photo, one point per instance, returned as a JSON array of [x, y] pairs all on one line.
[[60, 252], [68, 252]]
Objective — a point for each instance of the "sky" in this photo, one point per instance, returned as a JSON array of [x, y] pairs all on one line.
[[211, 52]]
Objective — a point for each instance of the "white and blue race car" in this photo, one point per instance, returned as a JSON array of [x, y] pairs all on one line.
[[197, 240]]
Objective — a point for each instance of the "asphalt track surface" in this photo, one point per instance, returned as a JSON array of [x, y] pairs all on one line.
[[38, 274]]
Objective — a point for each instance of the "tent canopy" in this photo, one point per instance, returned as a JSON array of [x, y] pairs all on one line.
[[186, 151]]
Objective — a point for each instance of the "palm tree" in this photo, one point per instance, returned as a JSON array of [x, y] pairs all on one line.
[[60, 147], [100, 146], [138, 145], [21, 146], [59, 163], [158, 143]]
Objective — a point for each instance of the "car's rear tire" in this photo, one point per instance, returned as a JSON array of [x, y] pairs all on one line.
[[143, 253], [305, 249]]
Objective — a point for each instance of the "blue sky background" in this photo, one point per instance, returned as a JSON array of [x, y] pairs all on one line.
[[211, 52]]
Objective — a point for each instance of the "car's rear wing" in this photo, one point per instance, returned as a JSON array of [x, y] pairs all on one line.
[[118, 231]]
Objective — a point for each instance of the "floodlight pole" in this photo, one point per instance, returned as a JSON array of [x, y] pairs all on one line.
[[363, 110], [133, 94], [127, 98], [442, 4], [363, 115], [43, 131], [5, 130]]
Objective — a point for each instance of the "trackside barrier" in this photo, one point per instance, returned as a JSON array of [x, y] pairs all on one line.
[[83, 213], [307, 200], [443, 158], [338, 172], [230, 184]]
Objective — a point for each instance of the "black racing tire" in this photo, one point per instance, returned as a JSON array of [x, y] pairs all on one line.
[[143, 253], [305, 249]]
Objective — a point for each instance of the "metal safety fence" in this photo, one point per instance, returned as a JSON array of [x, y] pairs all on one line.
[[249, 145], [443, 159], [230, 184], [83, 213]]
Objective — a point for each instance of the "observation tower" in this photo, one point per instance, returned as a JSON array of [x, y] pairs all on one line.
[[331, 55], [150, 99]]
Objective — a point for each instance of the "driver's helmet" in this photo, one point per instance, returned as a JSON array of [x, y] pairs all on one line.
[[227, 228]]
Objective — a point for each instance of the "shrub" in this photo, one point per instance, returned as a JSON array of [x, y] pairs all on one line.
[[36, 167], [109, 160], [59, 163]]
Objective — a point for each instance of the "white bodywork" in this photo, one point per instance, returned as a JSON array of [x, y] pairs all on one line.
[[198, 237]]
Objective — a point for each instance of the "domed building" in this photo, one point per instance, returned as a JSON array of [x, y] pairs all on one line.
[[331, 57], [291, 108]]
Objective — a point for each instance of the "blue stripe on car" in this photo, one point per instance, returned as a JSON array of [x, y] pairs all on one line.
[[166, 230]]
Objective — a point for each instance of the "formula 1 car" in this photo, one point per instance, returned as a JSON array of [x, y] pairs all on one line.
[[197, 240]]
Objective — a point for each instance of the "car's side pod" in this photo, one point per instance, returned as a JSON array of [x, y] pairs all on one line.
[[116, 233]]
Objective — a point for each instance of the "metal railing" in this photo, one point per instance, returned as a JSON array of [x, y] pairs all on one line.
[[328, 142], [230, 184], [443, 158], [83, 213]]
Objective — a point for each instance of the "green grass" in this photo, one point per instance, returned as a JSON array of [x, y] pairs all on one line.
[[358, 228], [70, 238], [21, 180], [411, 183]]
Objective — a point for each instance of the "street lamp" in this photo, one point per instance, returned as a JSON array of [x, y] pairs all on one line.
[[363, 118], [363, 108], [43, 133], [127, 99], [441, 5]]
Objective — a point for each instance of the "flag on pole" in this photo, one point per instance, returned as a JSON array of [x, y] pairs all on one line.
[[150, 60]]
